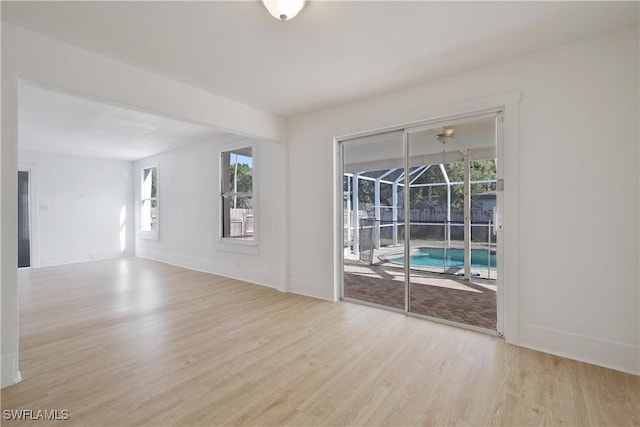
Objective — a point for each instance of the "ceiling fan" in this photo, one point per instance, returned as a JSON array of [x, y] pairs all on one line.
[[445, 134]]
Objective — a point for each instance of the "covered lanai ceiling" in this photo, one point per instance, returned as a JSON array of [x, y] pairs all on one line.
[[386, 150]]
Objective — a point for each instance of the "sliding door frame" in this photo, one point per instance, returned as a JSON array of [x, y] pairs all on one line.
[[494, 112]]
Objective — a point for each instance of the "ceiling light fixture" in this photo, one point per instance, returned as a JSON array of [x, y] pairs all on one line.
[[446, 135], [283, 9]]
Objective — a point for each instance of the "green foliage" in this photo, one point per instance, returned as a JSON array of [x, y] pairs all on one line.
[[154, 182], [244, 184], [244, 178], [436, 196], [427, 197]]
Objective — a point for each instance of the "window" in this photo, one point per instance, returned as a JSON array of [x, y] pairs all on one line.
[[149, 201], [237, 194]]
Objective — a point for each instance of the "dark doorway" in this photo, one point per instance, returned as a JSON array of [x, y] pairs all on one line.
[[24, 247]]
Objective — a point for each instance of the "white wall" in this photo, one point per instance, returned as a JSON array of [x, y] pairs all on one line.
[[82, 208], [189, 220], [578, 115], [577, 192], [43, 61], [8, 220]]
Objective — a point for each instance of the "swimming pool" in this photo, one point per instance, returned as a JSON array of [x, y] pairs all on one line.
[[435, 257]]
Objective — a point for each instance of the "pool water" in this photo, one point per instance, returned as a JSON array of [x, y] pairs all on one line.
[[435, 257]]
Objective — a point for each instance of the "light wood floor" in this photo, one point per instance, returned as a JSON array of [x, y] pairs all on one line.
[[135, 342]]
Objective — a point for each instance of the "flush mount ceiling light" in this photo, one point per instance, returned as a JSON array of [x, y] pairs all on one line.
[[283, 9]]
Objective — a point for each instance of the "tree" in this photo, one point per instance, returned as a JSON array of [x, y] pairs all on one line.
[[436, 196], [244, 184]]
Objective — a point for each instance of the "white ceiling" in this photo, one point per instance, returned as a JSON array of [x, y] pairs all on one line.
[[61, 123], [333, 52]]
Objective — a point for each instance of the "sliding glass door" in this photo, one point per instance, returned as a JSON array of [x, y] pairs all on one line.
[[419, 216], [373, 220]]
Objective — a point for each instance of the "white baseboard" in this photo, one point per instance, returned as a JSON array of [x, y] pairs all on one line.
[[256, 277], [10, 373], [81, 257], [305, 287], [584, 348]]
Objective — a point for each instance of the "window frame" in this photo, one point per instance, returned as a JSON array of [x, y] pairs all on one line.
[[234, 244], [149, 234]]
